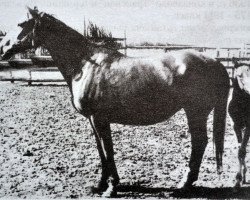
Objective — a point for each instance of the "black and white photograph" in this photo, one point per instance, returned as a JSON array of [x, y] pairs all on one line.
[[136, 99]]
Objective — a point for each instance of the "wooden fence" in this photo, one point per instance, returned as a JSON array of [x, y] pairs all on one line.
[[227, 61], [31, 77]]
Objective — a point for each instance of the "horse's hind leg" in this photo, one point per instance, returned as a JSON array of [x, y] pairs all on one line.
[[105, 148], [197, 120], [237, 119], [242, 151], [244, 171], [241, 157], [239, 174], [238, 132]]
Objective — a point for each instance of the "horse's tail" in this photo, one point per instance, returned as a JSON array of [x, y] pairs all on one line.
[[220, 113]]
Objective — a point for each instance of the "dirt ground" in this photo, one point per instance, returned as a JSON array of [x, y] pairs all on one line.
[[47, 150]]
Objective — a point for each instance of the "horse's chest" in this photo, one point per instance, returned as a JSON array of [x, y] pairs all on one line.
[[85, 89]]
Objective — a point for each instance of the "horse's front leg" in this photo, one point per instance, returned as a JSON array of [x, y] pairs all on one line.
[[105, 148]]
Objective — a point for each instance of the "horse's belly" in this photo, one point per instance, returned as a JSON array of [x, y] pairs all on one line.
[[143, 112]]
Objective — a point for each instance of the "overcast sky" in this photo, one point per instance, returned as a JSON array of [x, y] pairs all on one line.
[[200, 22]]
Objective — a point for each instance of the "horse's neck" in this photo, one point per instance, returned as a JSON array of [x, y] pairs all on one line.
[[67, 54], [69, 50]]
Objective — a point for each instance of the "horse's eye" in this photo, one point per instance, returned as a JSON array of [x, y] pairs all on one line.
[[7, 43]]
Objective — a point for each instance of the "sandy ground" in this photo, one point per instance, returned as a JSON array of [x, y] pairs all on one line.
[[47, 150]]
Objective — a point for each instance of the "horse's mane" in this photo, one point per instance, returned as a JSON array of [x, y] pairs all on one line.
[[93, 33], [100, 36]]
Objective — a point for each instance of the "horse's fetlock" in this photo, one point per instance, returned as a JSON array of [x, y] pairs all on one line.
[[115, 181], [238, 176], [242, 153]]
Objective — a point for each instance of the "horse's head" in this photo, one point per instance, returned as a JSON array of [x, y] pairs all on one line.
[[242, 74], [24, 37]]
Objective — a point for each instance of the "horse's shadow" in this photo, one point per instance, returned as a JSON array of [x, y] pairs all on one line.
[[137, 191]]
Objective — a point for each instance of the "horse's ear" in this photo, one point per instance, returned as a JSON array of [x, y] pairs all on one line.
[[34, 12]]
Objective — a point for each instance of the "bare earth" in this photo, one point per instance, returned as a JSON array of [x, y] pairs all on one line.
[[48, 150]]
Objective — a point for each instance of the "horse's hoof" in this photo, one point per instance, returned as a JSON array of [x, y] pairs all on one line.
[[102, 187], [96, 190], [236, 188], [187, 187]]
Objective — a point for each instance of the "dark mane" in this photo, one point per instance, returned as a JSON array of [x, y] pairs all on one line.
[[100, 36], [93, 33]]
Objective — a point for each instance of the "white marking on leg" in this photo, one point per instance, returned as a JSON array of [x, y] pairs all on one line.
[[109, 191], [184, 179]]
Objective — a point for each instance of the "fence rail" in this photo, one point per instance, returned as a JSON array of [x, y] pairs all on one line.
[[228, 59], [31, 79], [229, 66]]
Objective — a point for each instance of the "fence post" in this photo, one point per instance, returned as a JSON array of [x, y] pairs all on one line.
[[11, 77], [233, 72], [228, 55], [218, 53], [125, 43], [30, 78]]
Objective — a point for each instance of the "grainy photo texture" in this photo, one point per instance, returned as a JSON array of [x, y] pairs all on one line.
[[124, 99]]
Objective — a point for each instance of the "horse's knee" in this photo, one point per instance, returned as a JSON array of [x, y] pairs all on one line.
[[245, 170]]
